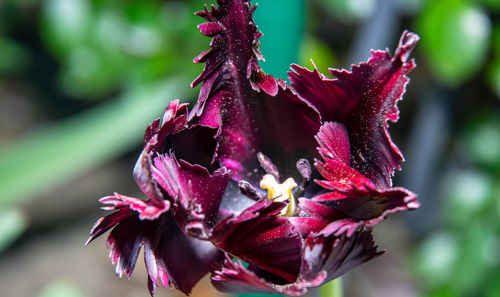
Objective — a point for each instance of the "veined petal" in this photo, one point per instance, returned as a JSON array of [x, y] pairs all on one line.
[[363, 99]]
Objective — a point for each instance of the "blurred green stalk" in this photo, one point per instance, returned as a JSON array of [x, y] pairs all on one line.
[[36, 163], [331, 289]]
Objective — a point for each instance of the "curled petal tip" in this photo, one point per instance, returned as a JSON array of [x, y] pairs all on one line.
[[406, 45]]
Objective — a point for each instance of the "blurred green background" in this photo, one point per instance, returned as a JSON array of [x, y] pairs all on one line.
[[81, 79]]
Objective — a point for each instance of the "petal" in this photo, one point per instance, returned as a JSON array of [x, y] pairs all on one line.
[[363, 99], [196, 193], [252, 110], [174, 120], [366, 206], [259, 237], [352, 194], [320, 211], [324, 258], [333, 140], [336, 255], [170, 256], [233, 277], [125, 207]]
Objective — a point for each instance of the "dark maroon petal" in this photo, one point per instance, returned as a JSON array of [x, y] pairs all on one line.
[[368, 206], [259, 237], [170, 256], [185, 259], [324, 258], [363, 99], [174, 120], [320, 211], [125, 207], [306, 225], [252, 110], [196, 193], [340, 176], [352, 194], [233, 277], [336, 255]]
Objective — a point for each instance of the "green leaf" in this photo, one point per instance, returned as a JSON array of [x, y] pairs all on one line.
[[49, 157], [455, 37], [12, 223]]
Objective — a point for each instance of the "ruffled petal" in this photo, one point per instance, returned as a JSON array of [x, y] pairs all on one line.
[[170, 256], [196, 193], [366, 206], [351, 193], [336, 255], [363, 99], [253, 111], [259, 237], [324, 258], [174, 120], [233, 277]]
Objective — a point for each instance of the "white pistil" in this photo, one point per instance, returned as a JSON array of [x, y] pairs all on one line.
[[281, 192]]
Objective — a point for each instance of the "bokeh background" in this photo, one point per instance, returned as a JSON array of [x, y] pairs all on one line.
[[81, 79]]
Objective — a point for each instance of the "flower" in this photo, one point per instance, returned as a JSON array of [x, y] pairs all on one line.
[[232, 180]]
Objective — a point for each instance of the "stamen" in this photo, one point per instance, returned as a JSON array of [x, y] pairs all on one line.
[[268, 165], [247, 190], [280, 192]]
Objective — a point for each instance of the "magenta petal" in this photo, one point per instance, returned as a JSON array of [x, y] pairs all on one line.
[[333, 140], [340, 176], [259, 237], [196, 193], [363, 99]]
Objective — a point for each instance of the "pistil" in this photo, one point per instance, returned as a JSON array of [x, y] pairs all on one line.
[[280, 192]]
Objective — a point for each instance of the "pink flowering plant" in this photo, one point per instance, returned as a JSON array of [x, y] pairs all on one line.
[[288, 178]]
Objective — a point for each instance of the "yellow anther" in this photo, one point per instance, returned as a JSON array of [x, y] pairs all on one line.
[[281, 192]]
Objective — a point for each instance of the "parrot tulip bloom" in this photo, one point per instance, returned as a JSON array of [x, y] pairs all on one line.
[[287, 178]]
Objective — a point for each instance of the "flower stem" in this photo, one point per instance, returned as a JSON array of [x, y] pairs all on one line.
[[331, 289]]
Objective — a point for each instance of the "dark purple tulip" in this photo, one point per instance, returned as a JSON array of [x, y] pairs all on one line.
[[233, 179]]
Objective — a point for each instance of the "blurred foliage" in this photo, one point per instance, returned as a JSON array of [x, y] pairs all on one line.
[[13, 223], [455, 38], [104, 44], [61, 288]]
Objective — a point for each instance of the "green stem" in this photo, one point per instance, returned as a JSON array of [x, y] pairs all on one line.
[[331, 289]]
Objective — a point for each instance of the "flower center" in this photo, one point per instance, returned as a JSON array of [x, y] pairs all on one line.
[[281, 192]]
